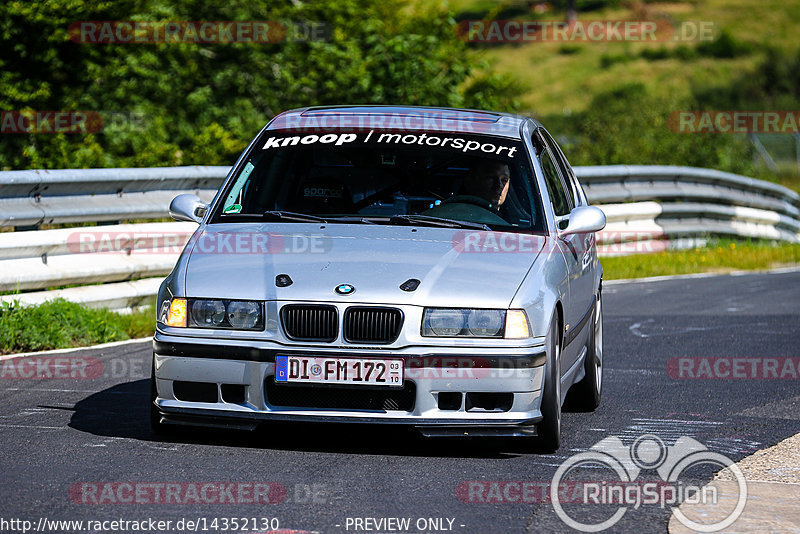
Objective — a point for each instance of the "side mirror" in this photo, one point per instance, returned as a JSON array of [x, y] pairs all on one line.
[[584, 220], [187, 208]]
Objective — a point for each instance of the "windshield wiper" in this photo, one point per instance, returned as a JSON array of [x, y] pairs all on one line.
[[426, 220], [292, 216]]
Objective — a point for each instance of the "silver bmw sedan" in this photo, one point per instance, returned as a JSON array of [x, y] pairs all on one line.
[[428, 267]]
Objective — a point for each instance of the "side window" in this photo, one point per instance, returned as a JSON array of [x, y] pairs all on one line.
[[566, 170], [577, 191], [554, 186]]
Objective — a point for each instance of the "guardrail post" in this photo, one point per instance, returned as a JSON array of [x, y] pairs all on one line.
[[27, 228]]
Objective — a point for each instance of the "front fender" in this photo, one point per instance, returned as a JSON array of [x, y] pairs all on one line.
[[545, 285]]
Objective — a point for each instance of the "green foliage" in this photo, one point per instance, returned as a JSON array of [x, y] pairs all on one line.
[[628, 126], [774, 84], [725, 46], [609, 60], [60, 324], [188, 103], [568, 49], [719, 255]]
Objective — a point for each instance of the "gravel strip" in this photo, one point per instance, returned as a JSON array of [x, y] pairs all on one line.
[[779, 463]]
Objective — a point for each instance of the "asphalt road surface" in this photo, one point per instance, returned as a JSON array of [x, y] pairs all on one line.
[[68, 442]]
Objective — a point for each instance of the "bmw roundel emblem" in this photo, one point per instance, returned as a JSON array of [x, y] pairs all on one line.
[[345, 289]]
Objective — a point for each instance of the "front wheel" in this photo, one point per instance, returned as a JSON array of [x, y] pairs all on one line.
[[549, 429]]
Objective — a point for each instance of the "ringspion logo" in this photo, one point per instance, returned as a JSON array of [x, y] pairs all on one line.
[[611, 486]]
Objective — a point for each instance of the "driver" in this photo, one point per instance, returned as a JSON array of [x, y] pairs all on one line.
[[483, 192]]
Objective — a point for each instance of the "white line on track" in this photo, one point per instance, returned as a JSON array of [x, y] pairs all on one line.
[[65, 390], [33, 426]]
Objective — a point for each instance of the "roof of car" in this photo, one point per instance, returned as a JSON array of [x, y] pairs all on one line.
[[364, 117]]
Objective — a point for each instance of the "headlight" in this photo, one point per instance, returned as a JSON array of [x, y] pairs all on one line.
[[244, 315], [211, 313], [451, 322], [443, 322], [486, 323], [208, 312]]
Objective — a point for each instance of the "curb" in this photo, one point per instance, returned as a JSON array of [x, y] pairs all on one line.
[[75, 349], [773, 492]]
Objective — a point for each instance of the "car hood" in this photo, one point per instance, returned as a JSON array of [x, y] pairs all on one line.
[[459, 268]]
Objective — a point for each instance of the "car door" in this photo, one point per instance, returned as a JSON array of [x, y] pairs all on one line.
[[583, 246], [566, 247]]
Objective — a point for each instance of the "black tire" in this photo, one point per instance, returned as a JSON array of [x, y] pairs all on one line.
[[549, 429], [585, 395]]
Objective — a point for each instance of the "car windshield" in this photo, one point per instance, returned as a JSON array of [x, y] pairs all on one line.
[[385, 177]]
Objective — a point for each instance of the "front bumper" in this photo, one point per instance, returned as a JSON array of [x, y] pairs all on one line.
[[517, 374]]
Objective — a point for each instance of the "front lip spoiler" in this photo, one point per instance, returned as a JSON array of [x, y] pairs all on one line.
[[427, 427], [535, 357]]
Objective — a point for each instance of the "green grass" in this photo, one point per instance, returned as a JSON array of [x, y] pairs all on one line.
[[564, 83], [719, 257], [61, 324]]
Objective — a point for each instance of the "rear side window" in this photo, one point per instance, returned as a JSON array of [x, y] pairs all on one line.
[[554, 186]]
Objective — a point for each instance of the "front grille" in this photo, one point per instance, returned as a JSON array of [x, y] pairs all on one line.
[[339, 398], [307, 322], [372, 325]]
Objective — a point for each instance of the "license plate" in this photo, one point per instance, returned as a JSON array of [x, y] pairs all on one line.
[[367, 372]]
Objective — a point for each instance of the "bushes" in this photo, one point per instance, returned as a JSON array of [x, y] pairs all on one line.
[[774, 84], [627, 126], [60, 324], [201, 103], [725, 46]]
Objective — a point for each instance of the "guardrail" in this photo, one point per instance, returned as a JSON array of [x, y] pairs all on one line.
[[679, 205], [648, 208], [39, 197]]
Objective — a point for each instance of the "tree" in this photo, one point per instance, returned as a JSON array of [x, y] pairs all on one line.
[[190, 103]]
